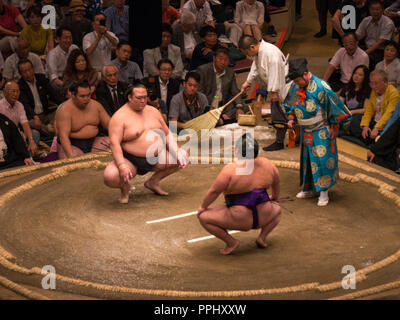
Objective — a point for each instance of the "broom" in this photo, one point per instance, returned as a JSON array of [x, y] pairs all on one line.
[[209, 119]]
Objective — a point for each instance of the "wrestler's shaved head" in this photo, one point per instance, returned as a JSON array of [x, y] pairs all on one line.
[[246, 147]]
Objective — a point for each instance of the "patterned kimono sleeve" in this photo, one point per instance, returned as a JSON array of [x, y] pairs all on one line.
[[290, 102], [337, 112]]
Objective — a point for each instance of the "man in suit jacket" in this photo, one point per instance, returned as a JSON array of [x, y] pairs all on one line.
[[185, 36], [110, 92], [218, 83], [165, 50], [13, 151], [36, 92], [163, 86]]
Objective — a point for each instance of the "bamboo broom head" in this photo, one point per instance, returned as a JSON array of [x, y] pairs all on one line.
[[208, 120]]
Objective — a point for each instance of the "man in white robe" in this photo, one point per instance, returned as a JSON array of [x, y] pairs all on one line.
[[270, 68]]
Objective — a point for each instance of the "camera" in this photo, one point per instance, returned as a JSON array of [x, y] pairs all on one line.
[[103, 22]]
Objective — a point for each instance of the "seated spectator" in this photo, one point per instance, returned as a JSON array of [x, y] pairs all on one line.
[[35, 96], [168, 13], [346, 59], [185, 36], [380, 107], [75, 22], [59, 12], [201, 9], [356, 96], [118, 19], [9, 17], [218, 83], [361, 8], [391, 63], [111, 92], [375, 30], [128, 71], [22, 51], [393, 12], [188, 104], [14, 110], [57, 57], [386, 151], [164, 87], [249, 16], [13, 151], [166, 50], [77, 122], [99, 43], [2, 81], [204, 52], [92, 7], [78, 68], [40, 39]]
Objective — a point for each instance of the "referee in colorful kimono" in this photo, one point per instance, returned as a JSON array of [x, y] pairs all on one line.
[[313, 105]]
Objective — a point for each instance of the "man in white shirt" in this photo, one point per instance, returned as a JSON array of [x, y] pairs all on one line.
[[375, 30], [22, 51], [57, 58], [185, 37], [271, 68], [201, 9], [99, 43]]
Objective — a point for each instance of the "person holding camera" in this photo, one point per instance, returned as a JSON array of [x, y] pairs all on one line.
[[99, 43], [163, 85]]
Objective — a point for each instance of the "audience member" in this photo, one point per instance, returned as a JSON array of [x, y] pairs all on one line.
[[249, 16], [111, 92], [188, 104], [57, 57], [361, 8], [356, 95], [22, 51], [380, 107], [78, 121], [393, 12], [99, 44], [14, 110], [168, 13], [204, 52], [375, 30], [218, 83], [185, 36], [201, 9], [386, 151], [78, 68], [118, 19], [128, 71], [35, 96], [165, 87], [40, 39], [92, 7], [346, 59], [75, 22], [13, 151], [391, 63], [9, 17], [166, 50], [323, 6]]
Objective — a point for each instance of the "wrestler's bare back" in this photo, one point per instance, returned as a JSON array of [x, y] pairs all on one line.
[[263, 175], [135, 128], [83, 122]]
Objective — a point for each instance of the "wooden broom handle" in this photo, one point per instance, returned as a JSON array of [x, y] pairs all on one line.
[[233, 99]]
